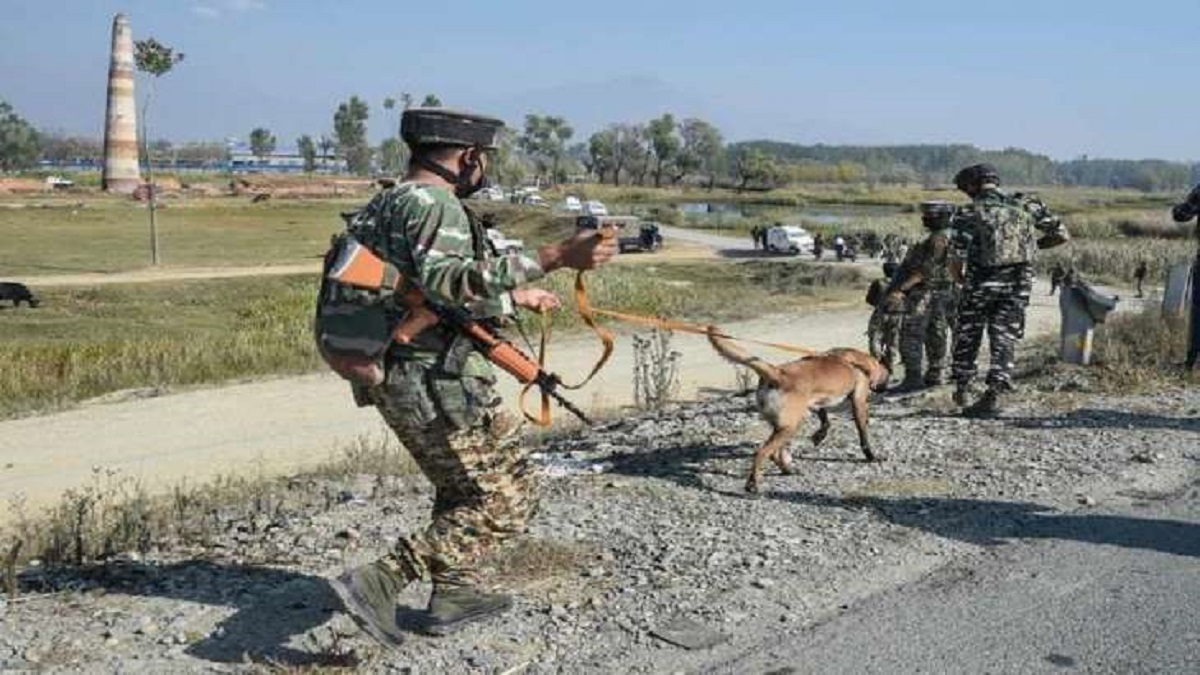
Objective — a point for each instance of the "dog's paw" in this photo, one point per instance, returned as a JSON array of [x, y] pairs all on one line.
[[873, 456], [752, 487], [818, 438]]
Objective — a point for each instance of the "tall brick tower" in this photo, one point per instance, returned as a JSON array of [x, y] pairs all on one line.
[[121, 173]]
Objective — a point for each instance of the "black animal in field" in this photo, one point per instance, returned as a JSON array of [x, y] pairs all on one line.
[[17, 293]]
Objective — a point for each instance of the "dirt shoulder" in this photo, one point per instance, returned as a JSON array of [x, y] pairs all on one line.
[[284, 425], [646, 556]]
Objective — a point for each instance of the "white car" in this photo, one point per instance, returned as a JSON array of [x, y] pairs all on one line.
[[789, 239], [503, 244], [536, 200], [594, 208], [572, 204], [490, 194]]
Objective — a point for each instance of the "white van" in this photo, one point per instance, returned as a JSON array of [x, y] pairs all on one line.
[[572, 204], [791, 239], [594, 208]]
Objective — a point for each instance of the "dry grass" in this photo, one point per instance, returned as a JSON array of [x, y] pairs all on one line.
[[117, 515], [1114, 260]]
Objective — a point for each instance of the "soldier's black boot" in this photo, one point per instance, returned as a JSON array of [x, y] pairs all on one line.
[[909, 385], [962, 394], [988, 405], [369, 595], [454, 607]]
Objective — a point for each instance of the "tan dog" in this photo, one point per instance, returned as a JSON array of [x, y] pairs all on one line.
[[788, 393]]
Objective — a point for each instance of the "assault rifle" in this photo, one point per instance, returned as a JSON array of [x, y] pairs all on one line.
[[358, 267]]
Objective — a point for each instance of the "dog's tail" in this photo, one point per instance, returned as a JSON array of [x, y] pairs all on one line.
[[726, 349]]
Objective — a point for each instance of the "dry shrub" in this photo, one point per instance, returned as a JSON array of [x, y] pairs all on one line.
[[1134, 350]]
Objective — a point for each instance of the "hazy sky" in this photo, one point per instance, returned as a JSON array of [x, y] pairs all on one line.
[[1103, 77]]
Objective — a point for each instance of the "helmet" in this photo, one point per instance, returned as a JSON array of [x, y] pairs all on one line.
[[936, 214], [443, 126], [976, 175]]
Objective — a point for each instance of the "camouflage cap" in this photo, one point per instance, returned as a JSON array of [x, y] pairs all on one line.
[[443, 126]]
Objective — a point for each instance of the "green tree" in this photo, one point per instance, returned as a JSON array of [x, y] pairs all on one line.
[[19, 141], [702, 149], [664, 144], [155, 59], [431, 101], [392, 156], [262, 142], [545, 140], [65, 149], [308, 150], [511, 167], [350, 128], [602, 150], [755, 166]]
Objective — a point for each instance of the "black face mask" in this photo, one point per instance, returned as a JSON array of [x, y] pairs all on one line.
[[463, 185]]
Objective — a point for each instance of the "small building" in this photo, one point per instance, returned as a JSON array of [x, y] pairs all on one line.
[[282, 160]]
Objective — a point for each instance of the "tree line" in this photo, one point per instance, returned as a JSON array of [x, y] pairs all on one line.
[[661, 151]]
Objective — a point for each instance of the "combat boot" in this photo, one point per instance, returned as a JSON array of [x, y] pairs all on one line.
[[934, 378], [908, 385], [369, 595], [988, 405], [962, 394], [454, 607]]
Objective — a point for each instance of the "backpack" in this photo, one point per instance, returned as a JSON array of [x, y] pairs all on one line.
[[355, 308]]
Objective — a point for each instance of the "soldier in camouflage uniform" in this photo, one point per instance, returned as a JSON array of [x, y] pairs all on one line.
[[887, 319], [1002, 233], [1183, 212], [926, 286], [438, 394]]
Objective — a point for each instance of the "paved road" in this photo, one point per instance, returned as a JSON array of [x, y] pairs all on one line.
[[1097, 591]]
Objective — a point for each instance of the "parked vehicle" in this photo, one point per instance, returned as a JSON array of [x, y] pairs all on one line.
[[537, 200], [791, 239], [588, 222], [489, 194], [594, 208], [572, 204], [648, 239]]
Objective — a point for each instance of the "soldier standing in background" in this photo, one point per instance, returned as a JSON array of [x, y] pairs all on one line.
[[926, 287], [1184, 212], [1057, 275], [1003, 233], [887, 319], [438, 393], [1139, 276]]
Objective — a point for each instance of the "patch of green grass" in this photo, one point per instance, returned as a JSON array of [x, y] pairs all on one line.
[[86, 342], [63, 236]]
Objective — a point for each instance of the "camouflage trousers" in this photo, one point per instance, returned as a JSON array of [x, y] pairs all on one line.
[[883, 336], [993, 299], [485, 486], [926, 334]]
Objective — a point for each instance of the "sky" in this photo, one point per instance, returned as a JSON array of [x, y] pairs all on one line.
[[1103, 78]]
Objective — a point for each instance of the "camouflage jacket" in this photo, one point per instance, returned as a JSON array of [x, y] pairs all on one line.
[[1001, 229], [428, 234], [931, 260]]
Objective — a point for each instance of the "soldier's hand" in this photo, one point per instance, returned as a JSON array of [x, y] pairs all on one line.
[[588, 249], [537, 299]]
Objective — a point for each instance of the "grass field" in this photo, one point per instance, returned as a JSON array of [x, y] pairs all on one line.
[[85, 342], [64, 235]]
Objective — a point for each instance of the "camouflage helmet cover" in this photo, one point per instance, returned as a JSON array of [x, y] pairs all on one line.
[[444, 126], [976, 175]]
